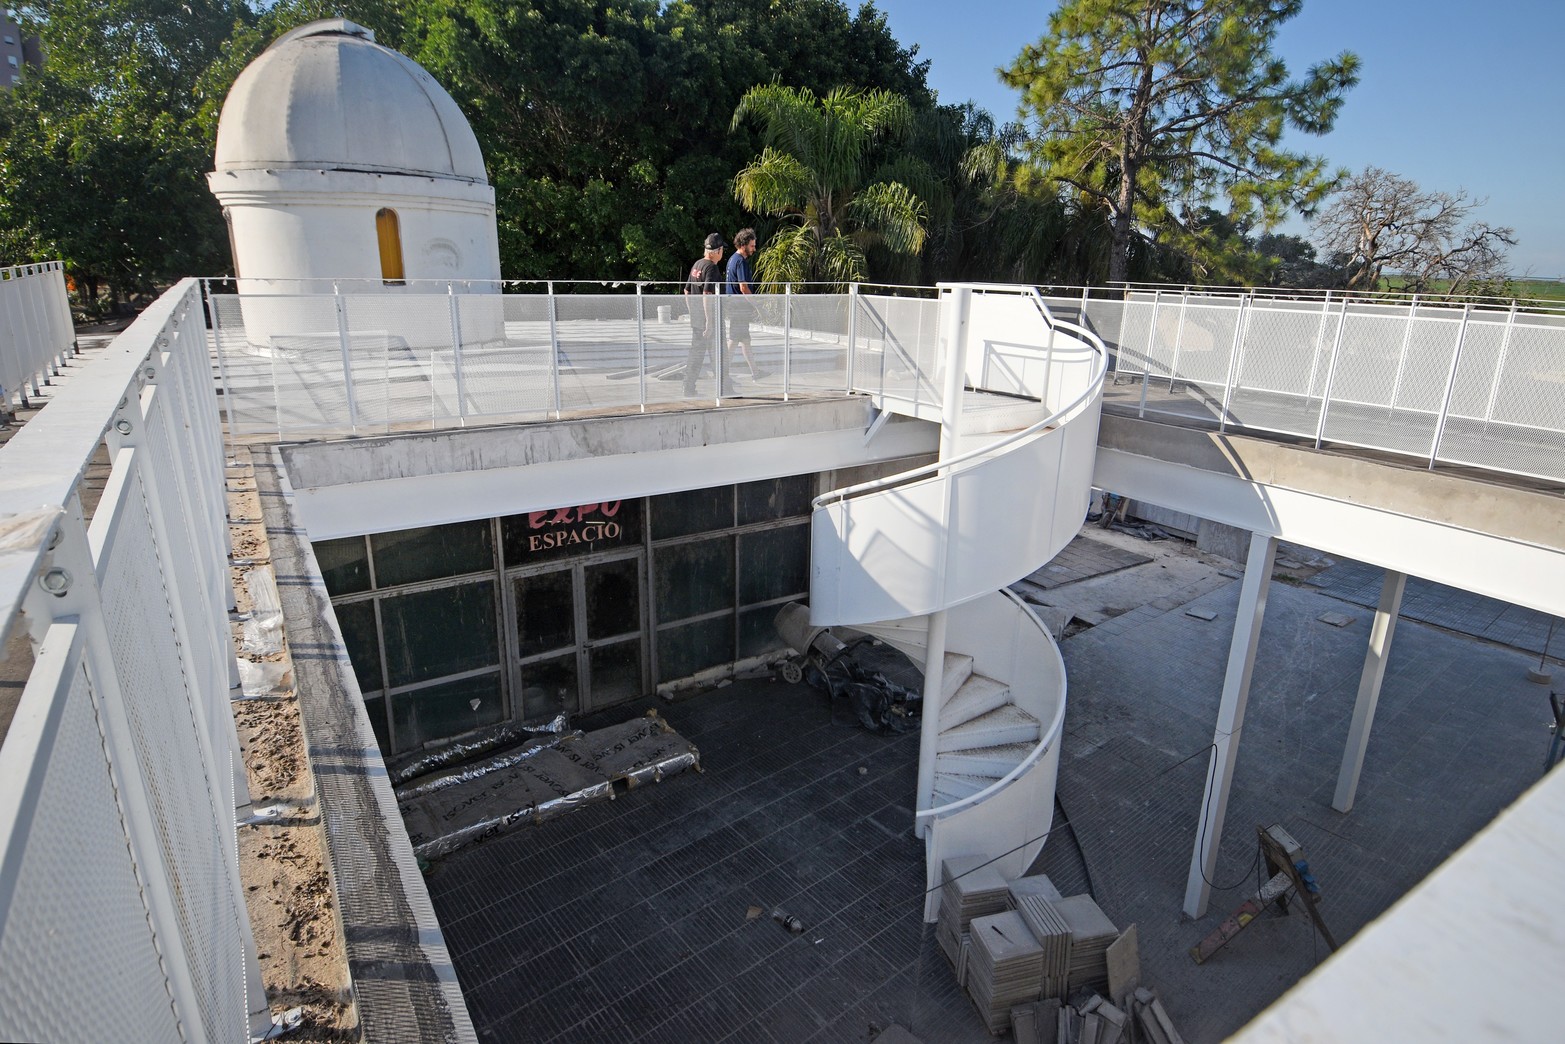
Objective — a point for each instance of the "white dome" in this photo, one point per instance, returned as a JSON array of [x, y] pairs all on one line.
[[326, 96]]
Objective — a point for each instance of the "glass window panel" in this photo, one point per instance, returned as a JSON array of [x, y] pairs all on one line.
[[545, 612], [544, 536], [757, 631], [549, 687], [694, 578], [692, 647], [693, 511], [432, 552], [345, 565], [445, 631], [357, 620], [774, 563], [613, 598], [616, 672], [376, 709], [445, 710], [774, 499]]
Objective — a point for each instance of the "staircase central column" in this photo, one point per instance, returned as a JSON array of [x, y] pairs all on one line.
[[955, 303]]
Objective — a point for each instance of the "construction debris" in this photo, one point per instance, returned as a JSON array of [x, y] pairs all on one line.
[[1020, 962], [508, 791], [882, 686]]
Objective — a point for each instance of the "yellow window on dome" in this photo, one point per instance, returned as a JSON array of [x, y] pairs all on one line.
[[390, 237]]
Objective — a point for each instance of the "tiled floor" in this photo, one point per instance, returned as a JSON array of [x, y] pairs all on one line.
[[628, 920], [1463, 611]]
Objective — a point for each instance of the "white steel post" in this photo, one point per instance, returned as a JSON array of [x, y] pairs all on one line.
[[1499, 365], [1179, 338], [554, 350], [718, 345], [641, 346], [1235, 358], [1146, 358], [456, 356], [1230, 722], [1374, 673], [1331, 375], [1407, 338], [1450, 387], [787, 335], [954, 330], [347, 361], [853, 330], [1320, 335]]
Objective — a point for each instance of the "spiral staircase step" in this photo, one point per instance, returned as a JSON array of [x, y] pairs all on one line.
[[999, 727], [978, 695], [983, 761]]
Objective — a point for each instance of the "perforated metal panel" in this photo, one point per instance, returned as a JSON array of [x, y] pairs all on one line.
[[899, 345], [78, 959], [184, 782]]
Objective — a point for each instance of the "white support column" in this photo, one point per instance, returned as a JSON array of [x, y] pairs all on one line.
[[1230, 721], [1369, 688], [956, 304]]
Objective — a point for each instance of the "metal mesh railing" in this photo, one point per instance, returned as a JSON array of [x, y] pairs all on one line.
[[36, 332], [321, 364], [1480, 385], [121, 908]]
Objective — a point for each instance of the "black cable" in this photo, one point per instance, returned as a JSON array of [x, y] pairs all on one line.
[[1081, 850]]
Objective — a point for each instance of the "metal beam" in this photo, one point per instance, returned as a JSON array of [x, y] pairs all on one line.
[[1230, 721], [1369, 688]]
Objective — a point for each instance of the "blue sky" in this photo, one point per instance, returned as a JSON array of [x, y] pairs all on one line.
[[1453, 95]]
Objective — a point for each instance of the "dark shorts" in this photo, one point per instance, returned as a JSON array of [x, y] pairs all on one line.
[[739, 329]]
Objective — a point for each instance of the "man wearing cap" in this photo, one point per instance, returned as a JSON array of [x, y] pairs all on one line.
[[702, 286]]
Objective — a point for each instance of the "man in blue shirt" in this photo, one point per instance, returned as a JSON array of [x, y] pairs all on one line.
[[739, 285]]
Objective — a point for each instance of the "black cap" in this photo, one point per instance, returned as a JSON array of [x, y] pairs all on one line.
[[715, 242]]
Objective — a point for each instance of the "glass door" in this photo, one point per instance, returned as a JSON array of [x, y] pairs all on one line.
[[577, 636]]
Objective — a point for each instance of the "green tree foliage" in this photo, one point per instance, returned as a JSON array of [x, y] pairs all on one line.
[[606, 125], [103, 150], [1156, 108], [818, 172]]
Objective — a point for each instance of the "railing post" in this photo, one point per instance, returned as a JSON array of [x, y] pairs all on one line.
[[1499, 366], [1146, 355], [1331, 375], [1450, 387], [554, 350], [719, 371], [1320, 333], [347, 360], [1407, 337], [1179, 337], [853, 329], [456, 354], [641, 346], [1234, 357], [787, 335]]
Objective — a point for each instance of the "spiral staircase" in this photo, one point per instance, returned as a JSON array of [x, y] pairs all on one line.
[[923, 559]]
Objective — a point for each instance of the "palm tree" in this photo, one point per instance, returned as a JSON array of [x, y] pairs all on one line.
[[814, 172]]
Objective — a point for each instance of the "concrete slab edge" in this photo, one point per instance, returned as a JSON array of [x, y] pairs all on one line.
[[403, 976]]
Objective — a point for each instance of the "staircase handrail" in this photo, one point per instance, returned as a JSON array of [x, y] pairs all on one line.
[[1093, 388], [1047, 737]]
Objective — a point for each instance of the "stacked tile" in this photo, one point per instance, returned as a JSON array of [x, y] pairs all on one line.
[[1005, 969], [1054, 937], [1038, 884], [969, 889], [1092, 933]]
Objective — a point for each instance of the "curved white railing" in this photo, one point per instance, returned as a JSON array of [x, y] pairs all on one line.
[[947, 532], [1011, 817]]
